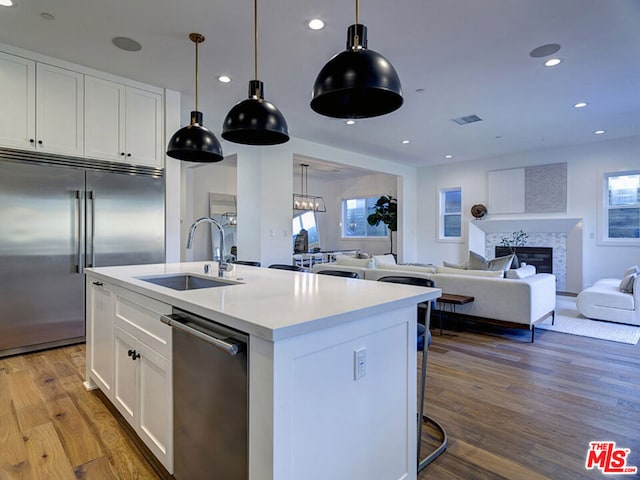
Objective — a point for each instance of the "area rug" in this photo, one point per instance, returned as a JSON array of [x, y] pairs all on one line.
[[568, 320]]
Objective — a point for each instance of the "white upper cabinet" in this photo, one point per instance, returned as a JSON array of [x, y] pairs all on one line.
[[42, 106], [59, 110], [123, 123], [18, 100]]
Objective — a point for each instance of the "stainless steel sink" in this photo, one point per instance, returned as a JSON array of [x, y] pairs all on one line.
[[185, 281]]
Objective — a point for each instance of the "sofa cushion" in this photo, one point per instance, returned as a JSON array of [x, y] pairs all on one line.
[[522, 272], [626, 285], [454, 265], [630, 270], [408, 268], [385, 260], [354, 262], [478, 262], [471, 273]]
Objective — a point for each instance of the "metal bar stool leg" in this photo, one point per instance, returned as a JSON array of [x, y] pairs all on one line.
[[422, 419]]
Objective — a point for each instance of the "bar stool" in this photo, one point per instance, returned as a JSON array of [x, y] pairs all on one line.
[[424, 340], [338, 273]]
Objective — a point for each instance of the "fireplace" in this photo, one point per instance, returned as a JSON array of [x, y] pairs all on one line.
[[539, 257]]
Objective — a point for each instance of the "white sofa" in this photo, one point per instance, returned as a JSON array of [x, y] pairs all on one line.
[[520, 303], [604, 301]]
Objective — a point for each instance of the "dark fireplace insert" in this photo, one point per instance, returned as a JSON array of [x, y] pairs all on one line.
[[539, 257]]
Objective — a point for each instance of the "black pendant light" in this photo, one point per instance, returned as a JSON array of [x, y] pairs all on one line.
[[255, 121], [357, 83], [195, 142]]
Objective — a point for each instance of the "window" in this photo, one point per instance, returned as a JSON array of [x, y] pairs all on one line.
[[450, 217], [307, 220], [621, 208], [354, 218]]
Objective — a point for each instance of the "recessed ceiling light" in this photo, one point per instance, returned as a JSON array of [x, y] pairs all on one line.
[[126, 43], [6, 3], [552, 62], [419, 90], [406, 141], [350, 122], [580, 105], [448, 156], [599, 132], [315, 24], [224, 78], [47, 16]]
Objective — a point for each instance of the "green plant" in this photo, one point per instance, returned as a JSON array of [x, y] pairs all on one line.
[[385, 211], [517, 239]]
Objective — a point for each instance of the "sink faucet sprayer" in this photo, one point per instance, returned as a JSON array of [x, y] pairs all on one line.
[[223, 266]]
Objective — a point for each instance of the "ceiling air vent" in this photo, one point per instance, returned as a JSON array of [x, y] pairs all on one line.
[[466, 120]]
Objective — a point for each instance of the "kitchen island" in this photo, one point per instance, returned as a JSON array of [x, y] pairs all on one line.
[[331, 364]]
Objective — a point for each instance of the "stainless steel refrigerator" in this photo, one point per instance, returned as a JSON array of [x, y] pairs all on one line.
[[59, 215]]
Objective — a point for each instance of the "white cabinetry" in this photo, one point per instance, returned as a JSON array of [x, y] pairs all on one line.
[[42, 106], [123, 123], [100, 313], [142, 371]]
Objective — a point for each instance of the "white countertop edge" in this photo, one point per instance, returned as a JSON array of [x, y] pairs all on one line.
[[127, 279]]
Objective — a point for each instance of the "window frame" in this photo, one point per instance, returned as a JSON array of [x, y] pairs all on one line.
[[442, 214], [604, 207], [367, 226]]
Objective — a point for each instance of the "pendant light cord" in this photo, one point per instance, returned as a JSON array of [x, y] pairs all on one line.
[[255, 39], [196, 75], [356, 38]]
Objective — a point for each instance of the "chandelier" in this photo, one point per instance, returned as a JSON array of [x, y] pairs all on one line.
[[303, 201]]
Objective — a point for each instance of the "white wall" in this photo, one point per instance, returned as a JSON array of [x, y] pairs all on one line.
[[585, 164]]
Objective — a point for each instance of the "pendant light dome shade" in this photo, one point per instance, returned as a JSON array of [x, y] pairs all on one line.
[[195, 142], [357, 83], [255, 121]]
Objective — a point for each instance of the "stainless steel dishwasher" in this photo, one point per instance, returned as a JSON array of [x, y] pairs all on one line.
[[210, 399]]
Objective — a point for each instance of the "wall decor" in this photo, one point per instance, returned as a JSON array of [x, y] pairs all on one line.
[[537, 189]]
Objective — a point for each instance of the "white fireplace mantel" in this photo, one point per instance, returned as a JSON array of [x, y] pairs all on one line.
[[529, 225]]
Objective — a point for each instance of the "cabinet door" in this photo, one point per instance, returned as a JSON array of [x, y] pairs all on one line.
[[100, 335], [144, 128], [59, 110], [126, 375], [17, 101], [156, 404], [104, 119]]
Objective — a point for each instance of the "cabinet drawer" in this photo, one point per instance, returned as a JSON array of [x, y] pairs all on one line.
[[140, 316]]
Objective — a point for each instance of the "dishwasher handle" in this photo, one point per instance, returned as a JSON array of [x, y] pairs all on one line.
[[177, 322]]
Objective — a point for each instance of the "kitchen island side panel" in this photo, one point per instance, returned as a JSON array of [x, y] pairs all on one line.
[[325, 424]]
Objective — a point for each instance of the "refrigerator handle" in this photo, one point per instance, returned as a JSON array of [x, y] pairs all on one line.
[[92, 197], [79, 266]]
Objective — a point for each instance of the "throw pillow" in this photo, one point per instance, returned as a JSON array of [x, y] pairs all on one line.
[[626, 285], [409, 268], [478, 262], [387, 259], [522, 272], [352, 261], [454, 265], [630, 270]]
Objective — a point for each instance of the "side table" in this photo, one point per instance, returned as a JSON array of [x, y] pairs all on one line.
[[452, 300]]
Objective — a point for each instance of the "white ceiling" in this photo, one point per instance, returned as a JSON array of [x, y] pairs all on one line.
[[469, 56]]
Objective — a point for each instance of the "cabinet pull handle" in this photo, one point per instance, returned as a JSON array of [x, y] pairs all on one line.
[[128, 154], [131, 352], [31, 140], [122, 154], [39, 142], [135, 355], [98, 284]]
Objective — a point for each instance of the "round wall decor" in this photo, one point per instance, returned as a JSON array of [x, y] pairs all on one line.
[[478, 210]]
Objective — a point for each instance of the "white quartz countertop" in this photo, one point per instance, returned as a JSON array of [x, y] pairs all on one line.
[[271, 304]]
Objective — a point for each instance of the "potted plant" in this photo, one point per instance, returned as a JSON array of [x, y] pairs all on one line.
[[385, 211], [517, 239]]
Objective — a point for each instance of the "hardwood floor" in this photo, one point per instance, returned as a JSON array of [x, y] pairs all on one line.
[[512, 410], [52, 428]]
